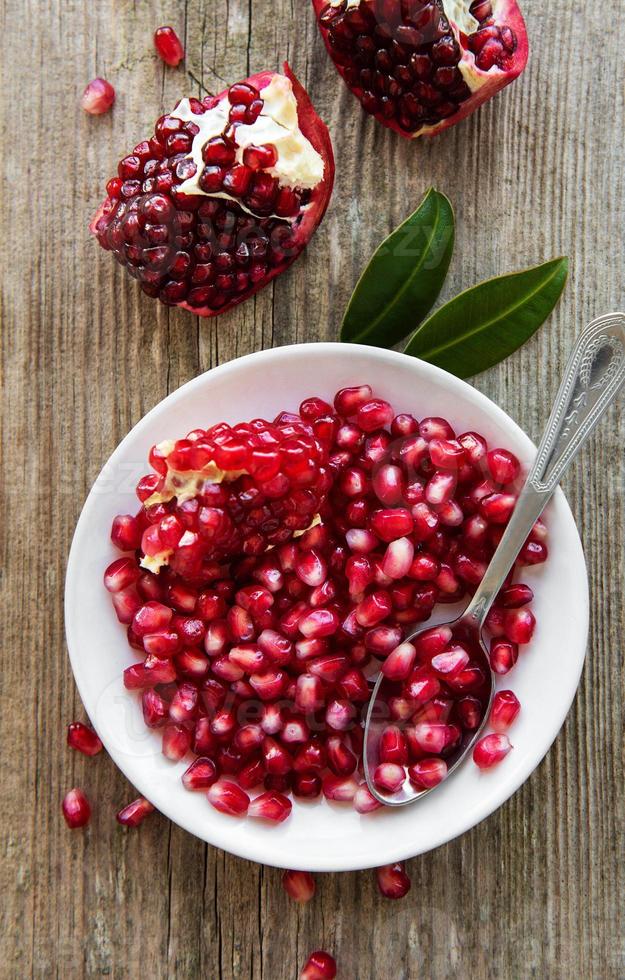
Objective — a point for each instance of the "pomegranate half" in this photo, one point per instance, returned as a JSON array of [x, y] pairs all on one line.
[[223, 198], [420, 66]]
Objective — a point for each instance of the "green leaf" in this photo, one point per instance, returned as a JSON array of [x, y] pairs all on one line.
[[485, 324], [405, 275]]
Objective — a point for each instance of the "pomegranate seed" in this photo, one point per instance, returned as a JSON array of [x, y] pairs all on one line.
[[393, 746], [307, 785], [319, 623], [430, 737], [399, 663], [503, 656], [176, 742], [435, 428], [398, 558], [151, 618], [135, 813], [504, 467], [393, 882], [319, 966], [311, 569], [490, 750], [98, 97], [519, 625], [449, 663], [251, 775], [498, 507], [76, 809], [427, 773], [364, 802], [470, 712], [506, 707], [340, 715], [432, 642], [201, 774], [389, 778], [341, 760], [348, 401], [83, 739], [121, 574], [271, 720], [340, 789], [446, 453], [533, 553], [126, 604], [155, 709], [270, 806], [168, 45], [474, 445], [299, 885], [228, 798]]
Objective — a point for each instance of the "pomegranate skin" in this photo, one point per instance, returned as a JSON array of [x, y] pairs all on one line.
[[418, 82], [302, 228]]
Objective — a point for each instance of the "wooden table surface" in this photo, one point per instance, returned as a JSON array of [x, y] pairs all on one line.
[[537, 889]]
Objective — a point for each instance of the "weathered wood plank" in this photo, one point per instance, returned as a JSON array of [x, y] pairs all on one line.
[[536, 890]]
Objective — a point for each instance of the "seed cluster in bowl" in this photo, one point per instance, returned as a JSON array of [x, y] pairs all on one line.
[[274, 567]]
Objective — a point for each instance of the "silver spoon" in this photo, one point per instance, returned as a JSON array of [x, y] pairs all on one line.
[[592, 379]]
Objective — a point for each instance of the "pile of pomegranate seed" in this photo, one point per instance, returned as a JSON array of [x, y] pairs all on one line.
[[402, 58], [273, 567]]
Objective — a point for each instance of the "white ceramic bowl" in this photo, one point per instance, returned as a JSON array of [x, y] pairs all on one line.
[[320, 836]]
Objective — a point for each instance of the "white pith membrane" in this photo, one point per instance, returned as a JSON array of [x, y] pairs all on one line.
[[299, 165], [185, 485]]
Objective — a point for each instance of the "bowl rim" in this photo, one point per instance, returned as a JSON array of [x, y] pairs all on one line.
[[248, 846]]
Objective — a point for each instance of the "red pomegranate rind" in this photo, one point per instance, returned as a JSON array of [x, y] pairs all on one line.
[[198, 264], [419, 74]]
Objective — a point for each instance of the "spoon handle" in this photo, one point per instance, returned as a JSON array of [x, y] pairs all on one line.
[[592, 379]]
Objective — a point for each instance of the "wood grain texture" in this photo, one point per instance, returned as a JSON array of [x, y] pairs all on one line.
[[534, 891]]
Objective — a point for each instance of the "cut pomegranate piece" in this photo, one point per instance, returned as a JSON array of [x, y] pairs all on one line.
[[168, 45], [299, 885], [98, 97], [393, 882], [420, 67], [319, 966], [196, 227], [135, 813], [76, 809], [83, 739]]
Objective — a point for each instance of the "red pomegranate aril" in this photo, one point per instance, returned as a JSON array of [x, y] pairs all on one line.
[[271, 806], [519, 625], [228, 798], [216, 638], [389, 778], [121, 574], [364, 801], [311, 756], [306, 785], [399, 663], [503, 466], [83, 739], [348, 401], [249, 657], [341, 760], [446, 453], [490, 750], [391, 524], [252, 774], [76, 809], [126, 532], [450, 662], [271, 720], [98, 97], [155, 709], [393, 882], [299, 885], [430, 737], [184, 703], [135, 813], [340, 715], [319, 623], [388, 485], [515, 596], [277, 760], [168, 46], [440, 488], [374, 414], [176, 741], [373, 609], [392, 746], [504, 711], [126, 604], [340, 789], [470, 712], [398, 558], [533, 553], [319, 966], [427, 773], [151, 618], [497, 507]]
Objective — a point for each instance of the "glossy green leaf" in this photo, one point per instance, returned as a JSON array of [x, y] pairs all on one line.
[[485, 324], [404, 277]]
